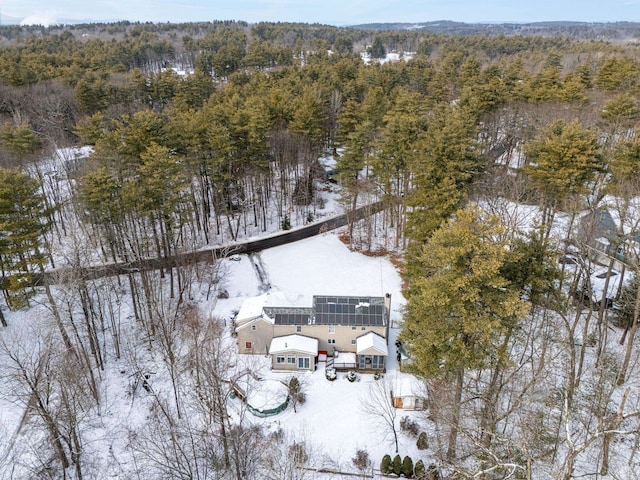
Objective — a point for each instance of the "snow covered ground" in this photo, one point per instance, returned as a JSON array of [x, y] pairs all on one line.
[[332, 417]]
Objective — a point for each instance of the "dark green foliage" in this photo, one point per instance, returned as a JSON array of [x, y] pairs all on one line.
[[386, 466], [423, 442], [286, 223], [24, 221], [407, 467], [419, 469], [377, 50], [397, 465]]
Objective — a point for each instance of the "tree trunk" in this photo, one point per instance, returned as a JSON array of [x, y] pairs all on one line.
[[455, 418]]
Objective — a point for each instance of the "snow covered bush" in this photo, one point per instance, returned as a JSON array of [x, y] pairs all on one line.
[[351, 376], [330, 373]]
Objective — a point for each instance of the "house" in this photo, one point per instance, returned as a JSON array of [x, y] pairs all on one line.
[[606, 243], [281, 325]]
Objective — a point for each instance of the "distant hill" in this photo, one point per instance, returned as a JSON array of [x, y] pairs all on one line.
[[621, 31]]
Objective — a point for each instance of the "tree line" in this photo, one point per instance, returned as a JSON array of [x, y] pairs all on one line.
[[451, 137]]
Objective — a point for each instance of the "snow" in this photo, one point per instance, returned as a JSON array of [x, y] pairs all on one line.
[[252, 307], [266, 394], [371, 341], [298, 343]]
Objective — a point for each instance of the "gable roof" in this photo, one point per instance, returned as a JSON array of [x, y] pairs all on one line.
[[371, 344], [294, 343]]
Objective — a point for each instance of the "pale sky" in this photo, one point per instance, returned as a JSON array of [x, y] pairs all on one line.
[[333, 12]]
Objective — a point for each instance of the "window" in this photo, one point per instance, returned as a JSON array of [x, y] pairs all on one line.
[[331, 340], [247, 345], [298, 329], [353, 328], [279, 359], [291, 360], [332, 329], [363, 328], [353, 342], [253, 327], [303, 362]]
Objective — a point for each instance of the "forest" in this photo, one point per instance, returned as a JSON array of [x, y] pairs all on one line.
[[131, 141]]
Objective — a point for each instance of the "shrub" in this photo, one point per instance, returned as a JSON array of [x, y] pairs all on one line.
[[407, 467], [385, 466], [419, 469], [361, 460], [422, 443], [286, 223], [409, 426], [397, 465]]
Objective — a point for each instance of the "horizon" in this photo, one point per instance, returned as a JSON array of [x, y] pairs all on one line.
[[329, 12]]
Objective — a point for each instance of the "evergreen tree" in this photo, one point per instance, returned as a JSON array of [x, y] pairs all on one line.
[[407, 467], [422, 443], [377, 50], [386, 466], [419, 469], [563, 162], [461, 306], [397, 465], [23, 227]]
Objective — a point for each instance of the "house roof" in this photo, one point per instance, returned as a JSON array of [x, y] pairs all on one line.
[[252, 307], [294, 343], [407, 386], [371, 343], [282, 309], [289, 315], [335, 310]]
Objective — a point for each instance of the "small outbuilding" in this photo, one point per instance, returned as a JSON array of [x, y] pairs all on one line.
[[293, 352], [408, 393]]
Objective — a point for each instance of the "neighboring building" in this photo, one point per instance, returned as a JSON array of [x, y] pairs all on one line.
[[605, 243], [358, 325], [613, 258], [408, 394]]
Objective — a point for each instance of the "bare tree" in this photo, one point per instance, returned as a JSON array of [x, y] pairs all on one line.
[[377, 405]]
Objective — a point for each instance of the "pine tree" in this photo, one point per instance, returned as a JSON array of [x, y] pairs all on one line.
[[419, 469], [461, 306], [23, 227], [564, 160]]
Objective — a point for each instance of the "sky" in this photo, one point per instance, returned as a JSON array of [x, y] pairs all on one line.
[[332, 12]]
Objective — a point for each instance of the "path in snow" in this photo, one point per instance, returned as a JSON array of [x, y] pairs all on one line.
[[264, 285]]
